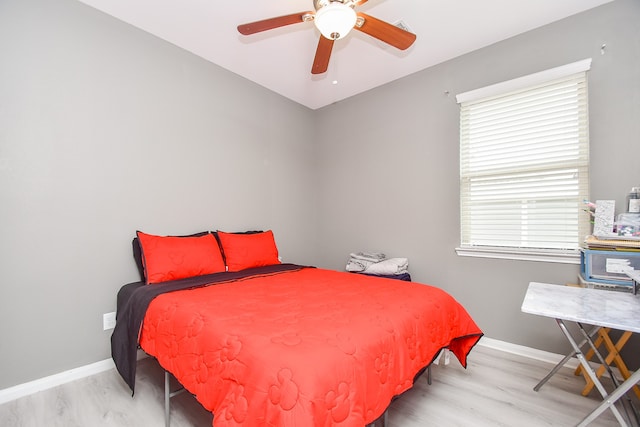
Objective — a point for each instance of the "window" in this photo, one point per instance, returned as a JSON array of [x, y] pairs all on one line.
[[524, 167]]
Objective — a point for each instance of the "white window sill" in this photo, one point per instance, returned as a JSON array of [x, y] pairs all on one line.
[[550, 255]]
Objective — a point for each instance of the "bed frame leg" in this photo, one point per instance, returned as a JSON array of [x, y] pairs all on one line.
[[380, 422], [168, 394], [167, 397]]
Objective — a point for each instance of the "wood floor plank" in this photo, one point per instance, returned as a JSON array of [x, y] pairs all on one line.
[[495, 390]]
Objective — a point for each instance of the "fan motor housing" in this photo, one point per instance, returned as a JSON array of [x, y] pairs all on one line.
[[319, 4]]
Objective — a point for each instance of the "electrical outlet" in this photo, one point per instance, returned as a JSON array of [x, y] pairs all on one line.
[[109, 320]]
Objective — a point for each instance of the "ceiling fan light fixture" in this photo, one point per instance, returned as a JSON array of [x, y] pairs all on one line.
[[335, 20]]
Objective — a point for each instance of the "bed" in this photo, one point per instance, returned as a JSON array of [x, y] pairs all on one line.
[[261, 343]]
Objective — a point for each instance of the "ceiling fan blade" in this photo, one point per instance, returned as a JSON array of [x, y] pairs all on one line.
[[361, 2], [388, 33], [271, 23], [323, 53]]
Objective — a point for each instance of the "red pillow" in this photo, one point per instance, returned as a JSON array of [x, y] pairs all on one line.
[[248, 250], [169, 258]]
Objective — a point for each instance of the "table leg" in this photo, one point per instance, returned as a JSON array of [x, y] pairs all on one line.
[[611, 399], [587, 368], [603, 363], [590, 353], [612, 358], [565, 360], [606, 365]]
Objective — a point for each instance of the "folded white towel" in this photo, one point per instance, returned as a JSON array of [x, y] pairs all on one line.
[[368, 256], [357, 265], [361, 260], [391, 266]]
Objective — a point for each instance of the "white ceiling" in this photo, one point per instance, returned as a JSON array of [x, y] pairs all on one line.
[[281, 59]]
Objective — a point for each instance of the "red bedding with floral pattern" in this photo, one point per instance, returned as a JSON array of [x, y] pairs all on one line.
[[305, 348]]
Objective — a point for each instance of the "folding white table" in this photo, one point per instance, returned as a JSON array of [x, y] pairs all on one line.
[[596, 307]]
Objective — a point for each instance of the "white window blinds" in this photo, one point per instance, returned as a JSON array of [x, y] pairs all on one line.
[[524, 167]]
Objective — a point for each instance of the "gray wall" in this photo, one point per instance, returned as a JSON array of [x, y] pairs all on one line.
[[104, 130], [390, 176]]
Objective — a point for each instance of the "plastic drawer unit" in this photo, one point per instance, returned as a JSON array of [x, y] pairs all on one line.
[[608, 266]]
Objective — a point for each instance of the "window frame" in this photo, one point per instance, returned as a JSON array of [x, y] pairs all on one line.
[[567, 256]]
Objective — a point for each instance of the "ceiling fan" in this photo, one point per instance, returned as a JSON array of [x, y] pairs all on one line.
[[334, 19]]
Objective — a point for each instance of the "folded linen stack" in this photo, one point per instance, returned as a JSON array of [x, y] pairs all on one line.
[[377, 263], [358, 262], [389, 267]]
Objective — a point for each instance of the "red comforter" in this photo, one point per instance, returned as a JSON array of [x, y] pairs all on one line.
[[305, 348]]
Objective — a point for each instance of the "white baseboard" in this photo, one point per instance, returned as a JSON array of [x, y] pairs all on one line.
[[529, 352], [41, 384], [25, 389], [541, 355]]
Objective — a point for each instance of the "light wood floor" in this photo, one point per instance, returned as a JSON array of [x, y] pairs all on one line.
[[495, 390]]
